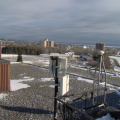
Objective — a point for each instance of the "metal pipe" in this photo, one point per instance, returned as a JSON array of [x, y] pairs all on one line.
[[56, 88], [105, 82], [99, 75]]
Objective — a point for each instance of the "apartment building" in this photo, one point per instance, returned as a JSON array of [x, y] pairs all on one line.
[[47, 43]]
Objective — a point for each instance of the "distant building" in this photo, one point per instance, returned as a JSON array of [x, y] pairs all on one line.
[[47, 43], [88, 58], [100, 46], [0, 50]]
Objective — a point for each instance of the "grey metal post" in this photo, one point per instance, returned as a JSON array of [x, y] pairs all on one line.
[[56, 88], [99, 76], [105, 81]]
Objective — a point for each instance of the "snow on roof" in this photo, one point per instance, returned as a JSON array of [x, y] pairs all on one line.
[[46, 79], [86, 80], [107, 117], [16, 85]]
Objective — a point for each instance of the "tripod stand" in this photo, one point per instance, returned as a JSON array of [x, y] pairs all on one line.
[[98, 82]]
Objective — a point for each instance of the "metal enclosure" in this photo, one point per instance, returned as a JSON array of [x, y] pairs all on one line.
[[63, 64], [64, 84], [4, 75]]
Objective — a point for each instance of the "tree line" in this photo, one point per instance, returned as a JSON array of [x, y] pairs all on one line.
[[32, 50]]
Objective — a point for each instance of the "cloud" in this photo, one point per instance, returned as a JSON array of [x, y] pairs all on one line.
[[60, 20]]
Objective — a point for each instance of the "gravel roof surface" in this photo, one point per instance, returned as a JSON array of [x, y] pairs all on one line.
[[37, 101]]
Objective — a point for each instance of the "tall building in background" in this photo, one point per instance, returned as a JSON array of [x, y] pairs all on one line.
[[100, 46], [46, 43]]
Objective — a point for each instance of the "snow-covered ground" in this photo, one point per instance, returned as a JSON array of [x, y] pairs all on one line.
[[111, 87], [2, 96], [115, 74], [32, 59], [107, 117], [9, 55], [46, 79], [117, 69], [17, 84], [44, 61], [29, 59], [116, 57]]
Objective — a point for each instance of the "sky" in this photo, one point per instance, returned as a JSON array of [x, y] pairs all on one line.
[[62, 21]]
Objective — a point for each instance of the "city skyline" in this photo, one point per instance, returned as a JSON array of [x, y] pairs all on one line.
[[70, 21]]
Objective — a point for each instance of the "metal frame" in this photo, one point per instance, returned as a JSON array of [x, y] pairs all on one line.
[[69, 108], [56, 86], [84, 96]]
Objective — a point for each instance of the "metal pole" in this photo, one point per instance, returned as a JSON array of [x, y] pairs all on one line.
[[93, 91], [105, 81], [56, 89], [99, 76]]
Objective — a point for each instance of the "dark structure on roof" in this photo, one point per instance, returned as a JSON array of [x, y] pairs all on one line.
[[4, 74]]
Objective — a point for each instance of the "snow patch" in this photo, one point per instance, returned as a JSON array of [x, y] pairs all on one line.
[[107, 117], [111, 87], [29, 62], [115, 57], [86, 80], [117, 69], [22, 74], [14, 62], [46, 79], [110, 74], [79, 67], [26, 77], [52, 86], [2, 96], [9, 55], [16, 85], [44, 61], [118, 92]]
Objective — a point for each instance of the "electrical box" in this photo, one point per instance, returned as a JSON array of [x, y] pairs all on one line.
[[63, 64], [52, 63], [64, 84]]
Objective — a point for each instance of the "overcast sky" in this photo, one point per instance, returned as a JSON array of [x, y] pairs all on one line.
[[71, 21]]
